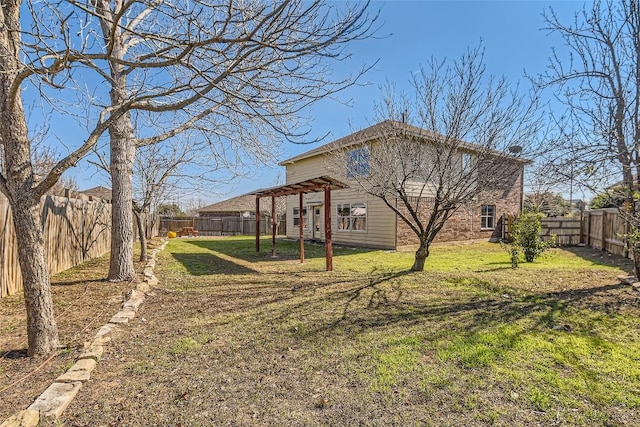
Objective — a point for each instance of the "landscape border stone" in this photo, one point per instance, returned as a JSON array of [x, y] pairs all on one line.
[[59, 395]]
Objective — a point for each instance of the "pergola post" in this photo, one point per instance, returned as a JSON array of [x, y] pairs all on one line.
[[314, 185], [273, 226], [328, 246], [257, 223], [301, 224]]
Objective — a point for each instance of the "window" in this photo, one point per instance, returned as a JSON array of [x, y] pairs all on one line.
[[488, 217], [358, 162], [352, 217], [467, 163], [296, 217]]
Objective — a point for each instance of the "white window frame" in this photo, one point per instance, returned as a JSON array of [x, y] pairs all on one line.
[[488, 217], [296, 216], [350, 219], [467, 162]]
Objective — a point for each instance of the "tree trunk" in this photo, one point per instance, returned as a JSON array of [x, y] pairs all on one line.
[[142, 236], [41, 325], [123, 151], [421, 256], [122, 236], [17, 171], [636, 261]]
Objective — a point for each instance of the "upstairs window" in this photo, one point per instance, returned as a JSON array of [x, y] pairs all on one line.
[[358, 162], [467, 162], [488, 217], [352, 216]]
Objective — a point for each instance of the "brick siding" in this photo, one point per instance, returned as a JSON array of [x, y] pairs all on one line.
[[465, 223]]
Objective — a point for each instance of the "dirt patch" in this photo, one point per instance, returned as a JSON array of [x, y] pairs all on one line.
[[83, 302]]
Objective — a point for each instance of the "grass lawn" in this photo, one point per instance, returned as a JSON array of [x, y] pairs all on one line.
[[232, 337]]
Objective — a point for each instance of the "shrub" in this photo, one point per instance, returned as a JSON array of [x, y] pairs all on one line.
[[526, 235]]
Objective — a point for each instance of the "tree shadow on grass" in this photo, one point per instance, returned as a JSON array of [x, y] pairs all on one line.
[[286, 249], [55, 282], [600, 257], [202, 264], [382, 310]]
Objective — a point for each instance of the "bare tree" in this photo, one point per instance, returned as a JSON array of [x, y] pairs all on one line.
[[44, 159], [547, 203], [600, 85], [240, 72], [254, 66], [37, 52], [163, 169], [425, 173]]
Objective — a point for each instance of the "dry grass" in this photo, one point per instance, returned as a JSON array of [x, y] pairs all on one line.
[[83, 301], [232, 337]]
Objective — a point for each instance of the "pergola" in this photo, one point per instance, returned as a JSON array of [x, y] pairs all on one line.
[[314, 185]]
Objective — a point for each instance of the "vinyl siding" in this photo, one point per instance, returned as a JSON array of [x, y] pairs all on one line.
[[381, 222], [418, 189]]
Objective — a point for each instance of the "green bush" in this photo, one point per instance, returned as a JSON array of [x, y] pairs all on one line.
[[526, 235]]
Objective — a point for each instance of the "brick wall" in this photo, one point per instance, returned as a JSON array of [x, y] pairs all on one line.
[[465, 223]]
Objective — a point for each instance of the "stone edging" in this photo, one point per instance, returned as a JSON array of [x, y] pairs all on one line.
[[627, 280], [55, 399]]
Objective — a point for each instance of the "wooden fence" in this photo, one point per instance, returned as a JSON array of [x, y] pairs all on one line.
[[568, 231], [600, 229], [605, 229], [75, 231], [224, 226]]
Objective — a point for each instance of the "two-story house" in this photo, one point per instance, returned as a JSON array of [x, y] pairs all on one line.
[[361, 219]]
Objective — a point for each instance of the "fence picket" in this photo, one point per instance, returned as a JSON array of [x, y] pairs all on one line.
[[75, 230]]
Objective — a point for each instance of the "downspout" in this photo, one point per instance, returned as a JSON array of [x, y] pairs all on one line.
[[521, 190], [395, 224]]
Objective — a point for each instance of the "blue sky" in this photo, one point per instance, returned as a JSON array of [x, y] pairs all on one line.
[[411, 32]]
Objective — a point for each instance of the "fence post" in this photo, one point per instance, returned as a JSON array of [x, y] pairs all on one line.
[[604, 229], [589, 229]]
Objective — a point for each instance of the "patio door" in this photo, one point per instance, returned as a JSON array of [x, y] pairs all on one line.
[[316, 227]]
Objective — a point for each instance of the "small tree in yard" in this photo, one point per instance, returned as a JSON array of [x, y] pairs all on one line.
[[425, 173], [526, 235], [600, 85]]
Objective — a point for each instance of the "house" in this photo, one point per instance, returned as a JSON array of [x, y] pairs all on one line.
[[98, 193], [236, 215], [360, 219], [237, 207]]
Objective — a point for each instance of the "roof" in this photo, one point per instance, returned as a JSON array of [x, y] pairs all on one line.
[[384, 128], [243, 203], [99, 192], [313, 185]]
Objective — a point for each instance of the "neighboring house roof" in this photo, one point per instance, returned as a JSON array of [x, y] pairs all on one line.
[[98, 192], [380, 129], [244, 203]]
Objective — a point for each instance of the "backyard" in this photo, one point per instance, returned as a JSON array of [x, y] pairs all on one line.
[[231, 337]]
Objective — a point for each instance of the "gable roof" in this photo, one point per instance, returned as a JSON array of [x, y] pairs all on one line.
[[98, 192], [385, 128], [243, 203]]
